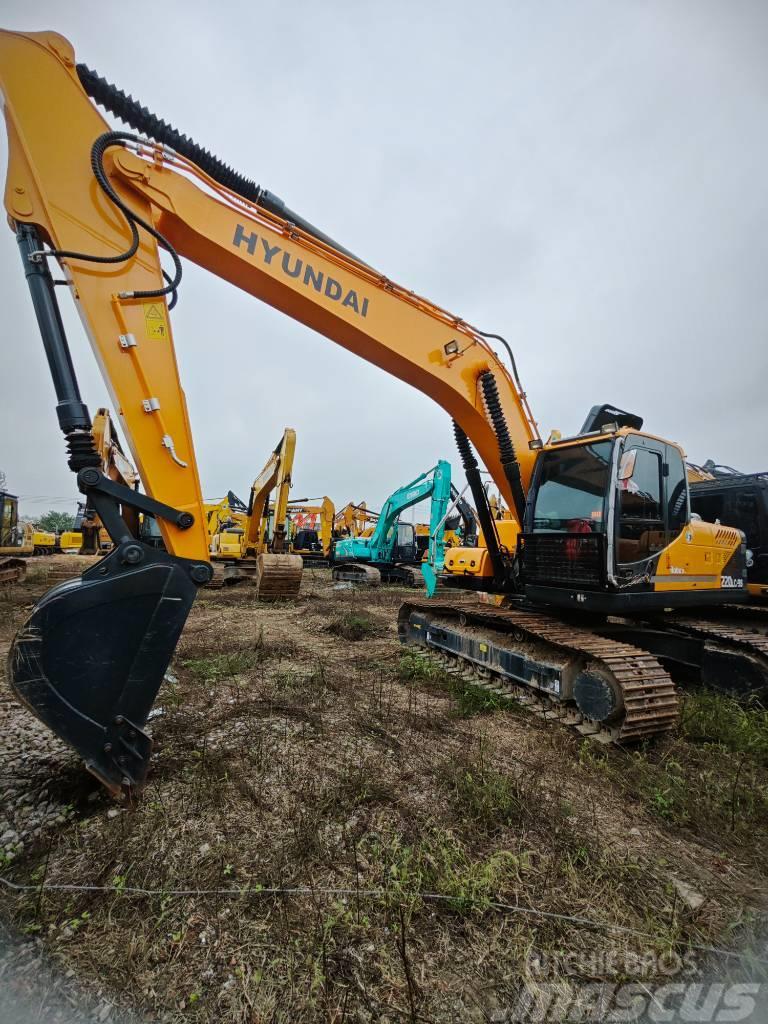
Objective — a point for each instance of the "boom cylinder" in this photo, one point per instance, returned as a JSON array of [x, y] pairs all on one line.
[[70, 409], [475, 481], [72, 412]]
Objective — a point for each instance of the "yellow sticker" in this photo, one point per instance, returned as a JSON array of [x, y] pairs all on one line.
[[154, 320]]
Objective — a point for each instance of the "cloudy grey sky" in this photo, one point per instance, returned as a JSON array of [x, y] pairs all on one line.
[[586, 177]]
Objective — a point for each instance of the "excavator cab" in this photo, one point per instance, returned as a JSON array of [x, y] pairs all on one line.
[[607, 526]]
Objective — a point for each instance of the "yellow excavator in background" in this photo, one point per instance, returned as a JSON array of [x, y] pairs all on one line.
[[252, 541], [353, 520], [118, 468], [19, 541], [604, 545], [311, 530]]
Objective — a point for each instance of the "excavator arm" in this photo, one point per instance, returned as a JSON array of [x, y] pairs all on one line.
[[104, 205], [434, 484], [276, 476], [352, 518]]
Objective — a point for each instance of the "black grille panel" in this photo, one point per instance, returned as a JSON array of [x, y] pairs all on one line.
[[571, 558]]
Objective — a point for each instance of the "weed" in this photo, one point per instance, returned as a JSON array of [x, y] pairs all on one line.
[[470, 700], [354, 626], [488, 799], [439, 863], [722, 720], [215, 667], [413, 667]]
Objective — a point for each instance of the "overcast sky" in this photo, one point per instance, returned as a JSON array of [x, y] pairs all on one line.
[[587, 178]]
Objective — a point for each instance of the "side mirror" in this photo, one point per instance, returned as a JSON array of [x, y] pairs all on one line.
[[627, 464]]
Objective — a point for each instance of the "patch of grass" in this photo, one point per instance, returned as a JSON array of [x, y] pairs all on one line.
[[721, 720], [438, 862], [414, 667], [708, 789], [354, 626], [488, 799], [470, 700], [215, 667]]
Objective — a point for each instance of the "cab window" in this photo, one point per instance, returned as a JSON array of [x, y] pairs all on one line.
[[641, 519], [405, 535], [677, 493], [571, 490]]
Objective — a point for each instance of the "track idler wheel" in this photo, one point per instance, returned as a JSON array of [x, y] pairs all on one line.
[[92, 655], [597, 695]]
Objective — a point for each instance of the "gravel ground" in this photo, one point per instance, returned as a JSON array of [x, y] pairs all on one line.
[[33, 992]]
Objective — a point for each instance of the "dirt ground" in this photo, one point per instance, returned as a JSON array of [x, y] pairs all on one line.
[[335, 830]]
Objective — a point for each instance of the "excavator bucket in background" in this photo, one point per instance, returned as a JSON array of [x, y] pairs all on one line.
[[278, 575], [90, 659], [12, 570]]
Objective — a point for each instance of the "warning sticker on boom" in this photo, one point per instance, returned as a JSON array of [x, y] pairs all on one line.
[[154, 320]]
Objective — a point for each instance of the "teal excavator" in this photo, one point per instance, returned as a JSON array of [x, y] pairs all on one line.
[[391, 554]]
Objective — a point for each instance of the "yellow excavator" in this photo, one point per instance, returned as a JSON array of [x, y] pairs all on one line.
[[118, 467], [312, 527], [353, 520], [599, 587], [252, 541], [19, 541]]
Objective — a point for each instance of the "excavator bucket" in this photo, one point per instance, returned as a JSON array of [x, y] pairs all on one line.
[[90, 659], [430, 578], [12, 570]]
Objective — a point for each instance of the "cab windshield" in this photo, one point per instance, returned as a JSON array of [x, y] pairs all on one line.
[[573, 484]]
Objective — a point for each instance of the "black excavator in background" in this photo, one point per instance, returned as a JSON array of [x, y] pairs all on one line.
[[726, 495]]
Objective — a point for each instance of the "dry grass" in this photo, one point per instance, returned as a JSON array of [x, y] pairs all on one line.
[[289, 756]]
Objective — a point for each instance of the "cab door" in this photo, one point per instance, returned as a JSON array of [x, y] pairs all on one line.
[[406, 548], [641, 519]]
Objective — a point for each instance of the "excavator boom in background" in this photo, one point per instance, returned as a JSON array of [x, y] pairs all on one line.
[[601, 520], [353, 520], [312, 530]]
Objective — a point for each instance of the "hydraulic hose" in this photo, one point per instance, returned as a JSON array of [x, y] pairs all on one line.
[[141, 119], [487, 525], [134, 221], [506, 448]]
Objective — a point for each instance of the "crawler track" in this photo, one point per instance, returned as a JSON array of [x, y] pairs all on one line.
[[216, 582], [751, 617], [596, 685], [737, 646], [371, 575], [12, 570], [355, 572]]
